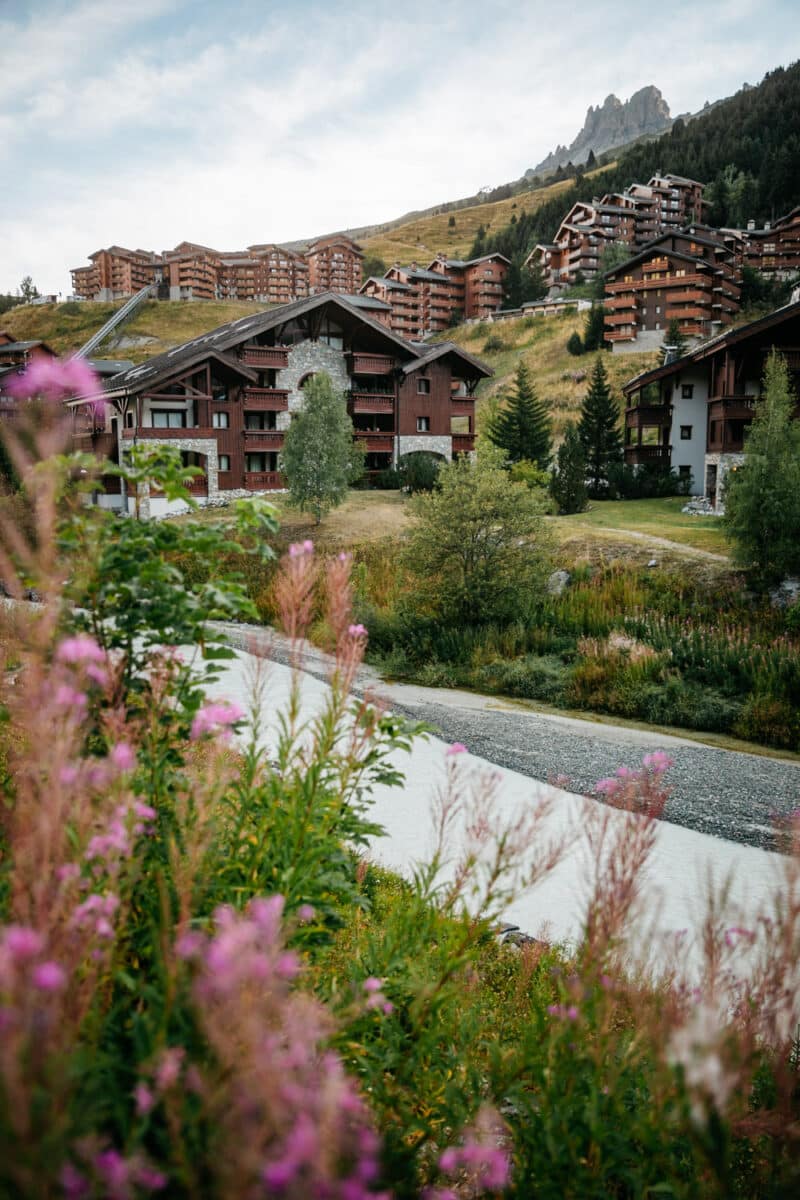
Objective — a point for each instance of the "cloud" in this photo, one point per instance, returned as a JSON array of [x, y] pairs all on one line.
[[151, 121]]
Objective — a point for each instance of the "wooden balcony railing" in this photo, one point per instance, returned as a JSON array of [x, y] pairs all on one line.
[[621, 335], [732, 407], [640, 415], [266, 399], [263, 481], [198, 486], [693, 312], [462, 406], [635, 455], [171, 435], [266, 356], [371, 402], [263, 439], [376, 443], [463, 442], [371, 364]]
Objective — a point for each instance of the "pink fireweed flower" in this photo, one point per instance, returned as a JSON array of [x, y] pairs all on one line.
[[21, 942], [49, 977], [732, 935], [215, 718], [97, 675], [68, 775], [190, 944], [357, 631], [607, 787], [372, 984], [168, 1071], [123, 756], [143, 1098], [305, 913], [74, 1185], [80, 649], [456, 748], [298, 549], [565, 1012], [144, 811], [54, 378], [659, 760], [70, 697]]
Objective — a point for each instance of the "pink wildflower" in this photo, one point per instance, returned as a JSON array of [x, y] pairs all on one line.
[[144, 1099], [456, 748], [169, 1068], [55, 378], [74, 1184], [305, 913], [69, 697], [659, 761], [357, 631], [215, 718], [49, 977], [144, 811], [80, 649], [297, 549], [372, 984], [22, 942], [606, 787], [68, 775]]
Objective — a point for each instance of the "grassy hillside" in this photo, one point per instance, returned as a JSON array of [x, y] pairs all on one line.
[[424, 236], [541, 343], [160, 324]]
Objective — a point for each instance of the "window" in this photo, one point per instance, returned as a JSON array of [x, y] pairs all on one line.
[[129, 420], [686, 433], [424, 387], [162, 419], [459, 425], [423, 424], [685, 472], [224, 462], [219, 391], [687, 391], [255, 462], [220, 420]]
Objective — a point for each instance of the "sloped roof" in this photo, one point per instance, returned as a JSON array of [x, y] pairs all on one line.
[[441, 350]]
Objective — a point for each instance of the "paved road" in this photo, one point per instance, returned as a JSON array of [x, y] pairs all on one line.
[[719, 792]]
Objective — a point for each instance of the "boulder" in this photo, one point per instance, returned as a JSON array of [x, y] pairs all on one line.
[[558, 583]]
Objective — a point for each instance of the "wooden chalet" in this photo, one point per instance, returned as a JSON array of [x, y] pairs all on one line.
[[693, 414], [225, 399]]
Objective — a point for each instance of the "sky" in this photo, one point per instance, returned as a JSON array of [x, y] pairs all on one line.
[[230, 122]]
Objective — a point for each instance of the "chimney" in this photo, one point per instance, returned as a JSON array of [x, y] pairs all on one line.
[[670, 355], [767, 226], [750, 225]]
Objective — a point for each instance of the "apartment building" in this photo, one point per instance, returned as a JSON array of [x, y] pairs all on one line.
[[425, 300], [775, 249], [226, 399], [686, 276], [635, 217], [334, 265], [114, 272], [693, 414]]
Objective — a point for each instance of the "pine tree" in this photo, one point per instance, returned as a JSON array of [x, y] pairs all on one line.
[[320, 457], [762, 497], [675, 339], [523, 427], [598, 428], [594, 329], [568, 483]]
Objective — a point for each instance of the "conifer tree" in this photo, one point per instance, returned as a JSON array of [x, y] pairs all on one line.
[[594, 329], [675, 339], [598, 428], [568, 484], [762, 497], [523, 427], [320, 457]]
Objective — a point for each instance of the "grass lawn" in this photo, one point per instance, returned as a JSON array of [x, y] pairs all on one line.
[[660, 518]]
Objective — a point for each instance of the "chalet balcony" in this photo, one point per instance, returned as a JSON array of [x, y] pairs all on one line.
[[622, 303], [690, 313], [371, 402], [623, 318], [263, 481], [636, 456], [102, 444], [198, 486], [370, 364], [259, 399], [276, 357], [688, 296], [621, 335], [375, 443], [188, 431], [732, 408], [463, 443], [640, 415], [462, 406], [263, 439]]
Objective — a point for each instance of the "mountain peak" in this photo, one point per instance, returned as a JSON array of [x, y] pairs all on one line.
[[613, 123]]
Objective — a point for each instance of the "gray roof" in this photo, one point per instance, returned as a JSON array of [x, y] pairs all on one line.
[[20, 346], [359, 301], [442, 349]]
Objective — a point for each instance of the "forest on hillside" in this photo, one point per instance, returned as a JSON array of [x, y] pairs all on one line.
[[745, 149]]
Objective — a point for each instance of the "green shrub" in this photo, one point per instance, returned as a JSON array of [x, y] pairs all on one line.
[[494, 344], [770, 721], [575, 345]]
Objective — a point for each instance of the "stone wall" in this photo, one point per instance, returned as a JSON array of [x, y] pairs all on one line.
[[205, 446], [304, 358], [724, 463], [425, 441]]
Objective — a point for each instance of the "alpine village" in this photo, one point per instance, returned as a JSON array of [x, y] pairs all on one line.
[[400, 710]]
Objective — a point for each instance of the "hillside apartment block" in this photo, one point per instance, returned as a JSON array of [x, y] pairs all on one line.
[[425, 300], [225, 399], [692, 414], [263, 273], [690, 276]]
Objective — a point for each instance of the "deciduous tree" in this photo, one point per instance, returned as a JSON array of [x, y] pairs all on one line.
[[321, 457], [762, 497]]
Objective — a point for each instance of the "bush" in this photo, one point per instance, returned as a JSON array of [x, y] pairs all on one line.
[[529, 474], [769, 721], [494, 344], [419, 471], [70, 308], [575, 344], [530, 678], [645, 482], [391, 479]]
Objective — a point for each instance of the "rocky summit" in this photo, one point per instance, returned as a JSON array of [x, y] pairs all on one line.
[[613, 123]]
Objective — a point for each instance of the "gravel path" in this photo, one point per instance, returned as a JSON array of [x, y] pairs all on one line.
[[724, 793]]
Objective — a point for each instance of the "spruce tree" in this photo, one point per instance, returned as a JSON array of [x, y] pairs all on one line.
[[568, 483], [594, 329], [598, 428], [523, 427], [320, 457], [762, 497], [675, 339]]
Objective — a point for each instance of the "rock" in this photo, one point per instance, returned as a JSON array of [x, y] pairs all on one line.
[[785, 594], [612, 124], [653, 562], [558, 583], [699, 506]]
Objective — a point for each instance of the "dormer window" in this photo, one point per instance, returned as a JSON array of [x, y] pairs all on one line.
[[424, 387]]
